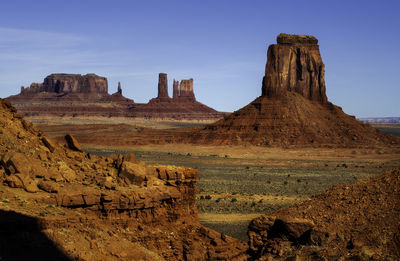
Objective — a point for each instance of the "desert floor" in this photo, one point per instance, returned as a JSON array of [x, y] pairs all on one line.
[[237, 183]]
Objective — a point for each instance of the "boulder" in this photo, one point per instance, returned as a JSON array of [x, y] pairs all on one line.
[[13, 182], [68, 174], [130, 157], [49, 186], [20, 180], [290, 228], [72, 143], [48, 143], [16, 163], [135, 173]]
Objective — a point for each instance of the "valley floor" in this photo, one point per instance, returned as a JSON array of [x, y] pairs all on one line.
[[238, 183]]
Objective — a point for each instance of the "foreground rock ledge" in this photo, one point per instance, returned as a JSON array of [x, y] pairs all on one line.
[[74, 205]]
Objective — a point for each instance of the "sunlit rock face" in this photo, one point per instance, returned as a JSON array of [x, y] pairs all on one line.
[[294, 64]]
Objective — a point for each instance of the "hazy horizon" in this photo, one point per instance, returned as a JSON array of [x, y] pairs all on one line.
[[222, 45]]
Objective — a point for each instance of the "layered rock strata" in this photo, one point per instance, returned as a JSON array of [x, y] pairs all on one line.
[[69, 83], [294, 64], [162, 86], [74, 95], [80, 201], [186, 90]]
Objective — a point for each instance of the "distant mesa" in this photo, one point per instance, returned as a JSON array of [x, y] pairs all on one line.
[[76, 95], [69, 83]]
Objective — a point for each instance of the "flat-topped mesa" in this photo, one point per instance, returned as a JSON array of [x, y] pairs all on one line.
[[294, 64], [186, 90], [162, 86], [69, 83]]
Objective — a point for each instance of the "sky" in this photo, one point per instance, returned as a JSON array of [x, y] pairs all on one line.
[[221, 44]]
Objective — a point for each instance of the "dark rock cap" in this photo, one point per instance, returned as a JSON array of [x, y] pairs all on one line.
[[296, 39]]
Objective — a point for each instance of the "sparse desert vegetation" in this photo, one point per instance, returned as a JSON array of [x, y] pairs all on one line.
[[246, 184]]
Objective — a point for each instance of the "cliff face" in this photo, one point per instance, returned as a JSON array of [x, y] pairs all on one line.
[[186, 90], [69, 83], [294, 64]]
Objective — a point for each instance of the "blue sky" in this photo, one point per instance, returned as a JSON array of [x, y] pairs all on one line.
[[221, 44]]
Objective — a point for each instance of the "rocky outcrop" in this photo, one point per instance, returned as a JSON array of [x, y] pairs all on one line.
[[182, 92], [294, 64], [186, 90], [119, 89], [74, 95], [72, 143], [162, 86], [182, 105], [344, 223], [175, 90], [95, 201], [69, 83]]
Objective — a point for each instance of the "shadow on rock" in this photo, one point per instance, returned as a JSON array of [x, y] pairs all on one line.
[[21, 238]]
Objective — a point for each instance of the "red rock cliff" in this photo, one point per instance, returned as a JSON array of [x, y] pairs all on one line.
[[162, 86], [295, 64], [186, 90], [69, 83]]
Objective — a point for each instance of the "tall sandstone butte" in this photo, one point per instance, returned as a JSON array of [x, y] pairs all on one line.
[[69, 83], [162, 86], [186, 90], [295, 64], [293, 109]]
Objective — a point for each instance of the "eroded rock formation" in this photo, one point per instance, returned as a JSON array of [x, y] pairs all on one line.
[[119, 89], [293, 109], [186, 90], [69, 83], [295, 64], [175, 90], [117, 208], [74, 95], [162, 86], [344, 223], [182, 91]]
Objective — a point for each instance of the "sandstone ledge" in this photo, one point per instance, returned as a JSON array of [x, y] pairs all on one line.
[[296, 39]]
